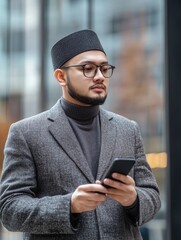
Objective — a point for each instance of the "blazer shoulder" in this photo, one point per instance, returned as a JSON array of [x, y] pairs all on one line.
[[122, 123], [33, 119], [39, 119], [118, 118]]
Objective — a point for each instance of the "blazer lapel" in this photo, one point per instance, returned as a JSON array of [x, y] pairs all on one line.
[[108, 138], [64, 135]]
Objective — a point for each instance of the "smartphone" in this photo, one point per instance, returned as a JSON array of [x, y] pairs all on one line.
[[119, 165]]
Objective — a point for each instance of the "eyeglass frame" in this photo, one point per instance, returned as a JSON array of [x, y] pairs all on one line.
[[95, 72]]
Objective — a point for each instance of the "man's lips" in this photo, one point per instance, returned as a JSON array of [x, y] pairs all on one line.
[[98, 87]]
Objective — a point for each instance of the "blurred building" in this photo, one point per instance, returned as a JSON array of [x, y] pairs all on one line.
[[132, 33]]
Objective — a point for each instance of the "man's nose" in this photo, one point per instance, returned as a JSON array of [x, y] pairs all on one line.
[[99, 75]]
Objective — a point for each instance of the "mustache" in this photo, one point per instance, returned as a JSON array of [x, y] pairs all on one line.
[[98, 85]]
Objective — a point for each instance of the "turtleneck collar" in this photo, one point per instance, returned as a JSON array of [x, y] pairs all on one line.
[[77, 112]]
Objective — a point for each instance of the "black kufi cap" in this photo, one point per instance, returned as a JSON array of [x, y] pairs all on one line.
[[74, 44]]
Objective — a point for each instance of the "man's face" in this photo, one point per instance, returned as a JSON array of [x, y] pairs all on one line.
[[80, 89]]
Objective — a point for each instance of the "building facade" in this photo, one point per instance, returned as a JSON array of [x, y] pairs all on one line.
[[132, 33]]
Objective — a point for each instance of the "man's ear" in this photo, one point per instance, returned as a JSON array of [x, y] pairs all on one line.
[[60, 76]]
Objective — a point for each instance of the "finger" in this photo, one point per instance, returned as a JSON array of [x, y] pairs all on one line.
[[124, 179], [93, 193], [83, 201], [97, 197], [90, 187], [113, 184], [90, 205], [98, 182], [95, 188]]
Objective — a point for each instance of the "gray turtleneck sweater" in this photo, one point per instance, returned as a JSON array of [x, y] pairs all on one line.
[[86, 126]]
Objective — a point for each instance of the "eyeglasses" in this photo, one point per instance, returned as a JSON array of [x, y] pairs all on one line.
[[90, 69]]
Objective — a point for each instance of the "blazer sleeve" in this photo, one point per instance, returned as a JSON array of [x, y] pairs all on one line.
[[20, 209], [146, 185]]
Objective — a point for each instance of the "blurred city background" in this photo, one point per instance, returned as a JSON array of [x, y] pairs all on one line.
[[132, 33]]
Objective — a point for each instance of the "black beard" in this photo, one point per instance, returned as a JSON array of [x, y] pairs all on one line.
[[87, 100]]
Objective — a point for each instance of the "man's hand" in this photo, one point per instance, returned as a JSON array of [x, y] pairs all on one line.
[[122, 189], [87, 197]]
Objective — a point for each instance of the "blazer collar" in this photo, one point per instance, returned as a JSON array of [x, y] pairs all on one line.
[[108, 139]]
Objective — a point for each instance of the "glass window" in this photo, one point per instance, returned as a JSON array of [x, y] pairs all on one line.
[[63, 17], [133, 35], [19, 59]]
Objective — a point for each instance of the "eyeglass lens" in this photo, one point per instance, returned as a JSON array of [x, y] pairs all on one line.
[[90, 70]]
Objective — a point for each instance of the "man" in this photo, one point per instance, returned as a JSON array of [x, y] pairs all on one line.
[[54, 162]]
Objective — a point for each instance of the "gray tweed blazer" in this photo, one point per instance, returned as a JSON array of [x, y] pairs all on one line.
[[44, 164]]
